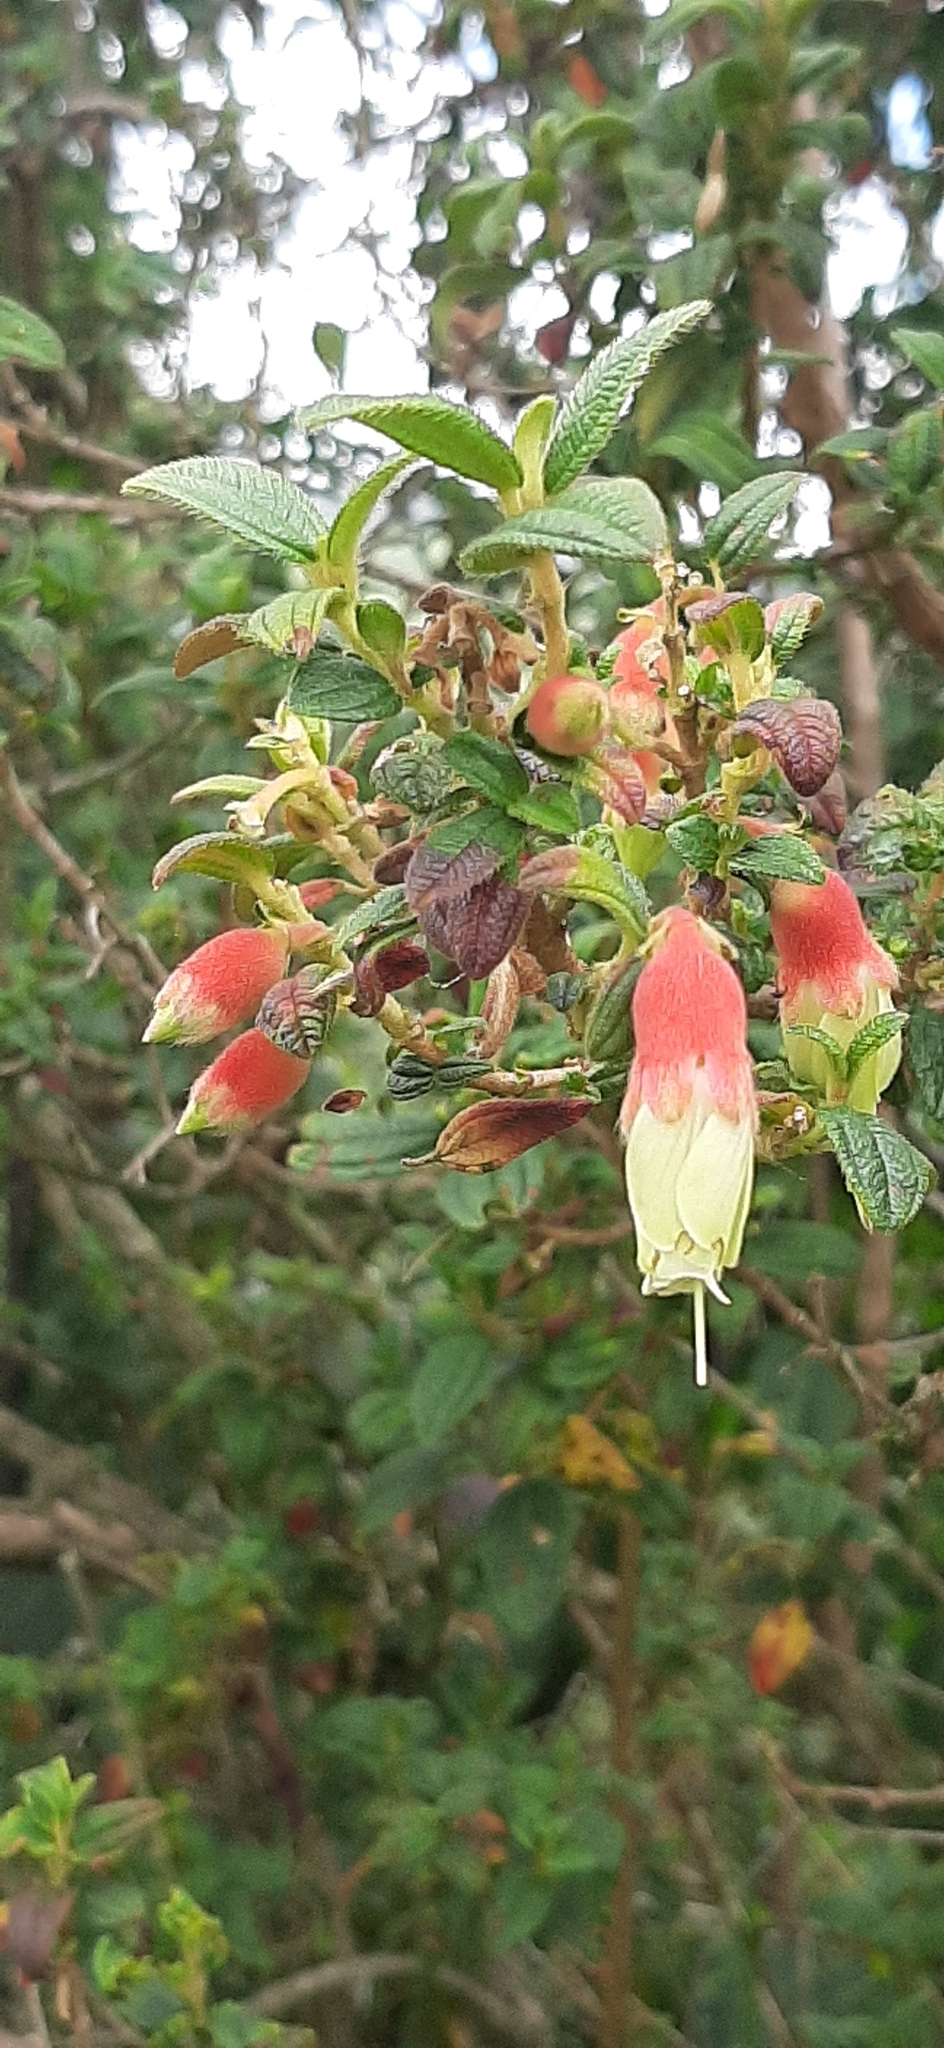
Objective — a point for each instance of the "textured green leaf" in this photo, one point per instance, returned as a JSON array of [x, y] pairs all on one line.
[[487, 766], [445, 433], [602, 519], [925, 349], [25, 338], [710, 449], [365, 1146], [524, 1551], [221, 854], [343, 687], [276, 624], [856, 445], [345, 535], [695, 840], [382, 627], [532, 433], [736, 534], [384, 913], [550, 807], [597, 402], [914, 450], [255, 504], [886, 1177], [487, 826], [872, 1036], [926, 1057], [455, 1375], [780, 858]]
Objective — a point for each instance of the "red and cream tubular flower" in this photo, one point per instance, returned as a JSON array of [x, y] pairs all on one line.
[[689, 1116], [832, 976], [220, 985], [250, 1078]]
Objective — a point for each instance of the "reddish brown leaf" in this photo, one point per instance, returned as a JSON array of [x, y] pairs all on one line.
[[545, 938], [437, 877], [207, 642], [296, 1013], [392, 865], [490, 1134], [344, 1100], [828, 808], [378, 974], [803, 734], [478, 928], [500, 1007], [34, 1923]]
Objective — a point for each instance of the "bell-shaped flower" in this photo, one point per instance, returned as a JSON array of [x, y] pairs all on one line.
[[250, 1079], [832, 978], [689, 1116]]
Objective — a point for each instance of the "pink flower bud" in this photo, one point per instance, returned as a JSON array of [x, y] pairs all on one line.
[[689, 1116], [831, 976], [220, 985], [250, 1078], [568, 714], [639, 671]]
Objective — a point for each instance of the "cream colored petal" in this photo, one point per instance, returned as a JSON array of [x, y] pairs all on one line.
[[655, 1156], [714, 1187]]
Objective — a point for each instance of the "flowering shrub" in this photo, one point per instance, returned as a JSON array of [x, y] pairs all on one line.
[[479, 788]]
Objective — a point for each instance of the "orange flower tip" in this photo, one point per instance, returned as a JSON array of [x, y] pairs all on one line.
[[780, 1643], [568, 715]]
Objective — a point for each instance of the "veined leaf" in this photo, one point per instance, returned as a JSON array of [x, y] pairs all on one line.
[[222, 854], [341, 686], [603, 519], [781, 857], [345, 535], [25, 338], [255, 504], [595, 405], [487, 766], [289, 624], [445, 433], [709, 449], [736, 534], [872, 1036], [886, 1177]]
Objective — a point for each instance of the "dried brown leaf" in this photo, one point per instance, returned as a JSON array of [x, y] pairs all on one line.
[[490, 1134], [207, 642], [500, 1006]]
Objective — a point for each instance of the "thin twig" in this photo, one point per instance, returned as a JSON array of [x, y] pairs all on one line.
[[125, 511], [357, 1974], [798, 1319]]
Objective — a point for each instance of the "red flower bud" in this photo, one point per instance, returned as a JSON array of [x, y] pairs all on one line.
[[568, 714], [220, 985], [250, 1078]]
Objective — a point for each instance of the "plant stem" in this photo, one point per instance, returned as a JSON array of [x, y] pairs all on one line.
[[617, 1972], [548, 593]]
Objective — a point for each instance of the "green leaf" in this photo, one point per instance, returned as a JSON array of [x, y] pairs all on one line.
[[524, 1552], [602, 394], [379, 917], [487, 766], [830, 1045], [925, 349], [329, 343], [456, 1374], [533, 432], [791, 1250], [25, 338], [856, 445], [736, 534], [445, 433], [343, 687], [872, 1036], [926, 1056], [488, 825], [345, 535], [550, 807], [221, 854], [382, 628], [886, 1177], [257, 505], [914, 451], [606, 519], [710, 449], [275, 624], [782, 857], [401, 1482], [365, 1146], [695, 840]]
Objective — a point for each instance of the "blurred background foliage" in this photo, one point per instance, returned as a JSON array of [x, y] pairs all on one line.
[[253, 1568]]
